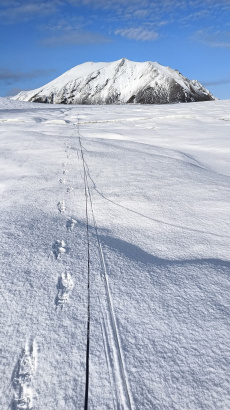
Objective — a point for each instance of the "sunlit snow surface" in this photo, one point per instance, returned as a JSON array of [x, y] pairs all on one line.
[[159, 178]]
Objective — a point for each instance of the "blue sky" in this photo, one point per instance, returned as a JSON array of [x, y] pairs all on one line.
[[39, 40]]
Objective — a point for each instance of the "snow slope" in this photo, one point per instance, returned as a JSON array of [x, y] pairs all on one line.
[[159, 181], [121, 81]]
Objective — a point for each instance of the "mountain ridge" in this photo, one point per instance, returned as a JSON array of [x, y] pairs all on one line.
[[119, 82]]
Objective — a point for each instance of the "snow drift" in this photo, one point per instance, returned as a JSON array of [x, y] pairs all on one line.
[[119, 82]]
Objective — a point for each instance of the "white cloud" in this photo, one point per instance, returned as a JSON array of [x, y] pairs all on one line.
[[72, 38], [224, 80], [140, 34], [9, 76], [24, 11], [122, 6], [14, 91], [191, 17], [73, 23], [211, 38], [140, 13]]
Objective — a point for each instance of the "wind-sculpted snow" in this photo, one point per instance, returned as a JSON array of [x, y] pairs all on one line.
[[119, 82], [159, 186]]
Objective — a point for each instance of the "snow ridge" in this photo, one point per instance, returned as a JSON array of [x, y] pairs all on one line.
[[119, 82]]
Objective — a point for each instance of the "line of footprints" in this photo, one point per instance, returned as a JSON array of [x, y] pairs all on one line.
[[23, 374], [59, 247]]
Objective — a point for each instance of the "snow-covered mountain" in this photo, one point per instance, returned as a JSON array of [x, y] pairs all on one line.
[[119, 82]]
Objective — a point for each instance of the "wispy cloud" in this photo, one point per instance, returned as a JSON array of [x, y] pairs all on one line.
[[140, 34], [70, 31], [160, 6], [14, 91], [13, 11], [9, 76], [75, 37], [128, 3], [212, 38], [224, 80], [112, 15], [72, 23], [140, 13], [19, 11], [210, 3], [191, 17]]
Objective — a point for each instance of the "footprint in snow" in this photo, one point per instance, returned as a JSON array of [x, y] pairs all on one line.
[[66, 171], [65, 286], [69, 189], [22, 378], [70, 224], [61, 207], [62, 181], [59, 248]]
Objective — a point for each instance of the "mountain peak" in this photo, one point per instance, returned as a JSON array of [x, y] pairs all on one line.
[[119, 82]]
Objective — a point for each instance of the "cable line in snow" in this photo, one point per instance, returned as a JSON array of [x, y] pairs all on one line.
[[125, 395], [88, 282]]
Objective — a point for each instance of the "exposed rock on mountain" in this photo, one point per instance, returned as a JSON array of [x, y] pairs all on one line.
[[119, 82]]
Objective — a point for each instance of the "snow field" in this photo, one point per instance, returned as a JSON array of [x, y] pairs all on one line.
[[159, 182]]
